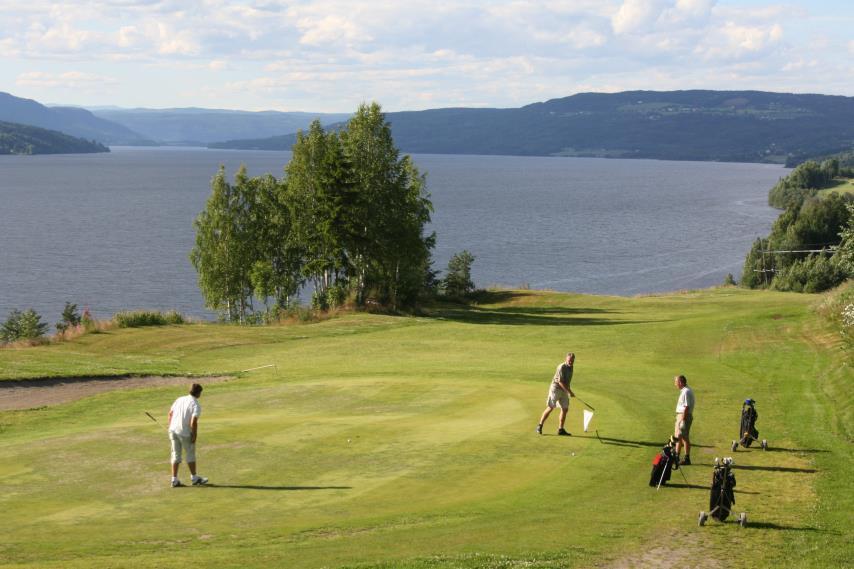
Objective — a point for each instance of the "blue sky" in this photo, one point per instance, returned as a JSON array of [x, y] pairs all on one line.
[[330, 55]]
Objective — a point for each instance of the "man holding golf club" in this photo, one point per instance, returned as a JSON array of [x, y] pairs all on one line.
[[183, 429], [559, 394], [684, 418]]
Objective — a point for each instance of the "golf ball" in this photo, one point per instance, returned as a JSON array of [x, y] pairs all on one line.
[[348, 440], [573, 454]]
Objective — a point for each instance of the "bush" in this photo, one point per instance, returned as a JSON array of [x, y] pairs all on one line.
[[838, 308], [816, 273], [139, 318], [457, 283], [26, 325], [70, 318]]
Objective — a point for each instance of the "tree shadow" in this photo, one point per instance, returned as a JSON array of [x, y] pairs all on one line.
[[291, 488], [774, 468], [526, 317]]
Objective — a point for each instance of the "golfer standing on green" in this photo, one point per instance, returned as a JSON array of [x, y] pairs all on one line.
[[559, 394], [684, 418], [183, 429]]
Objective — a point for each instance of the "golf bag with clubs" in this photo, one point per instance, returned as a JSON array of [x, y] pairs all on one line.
[[722, 495], [663, 464], [747, 431]]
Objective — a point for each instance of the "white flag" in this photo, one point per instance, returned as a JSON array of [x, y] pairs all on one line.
[[587, 416]]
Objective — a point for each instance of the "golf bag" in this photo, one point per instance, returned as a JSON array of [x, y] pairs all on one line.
[[722, 497], [663, 464], [748, 432]]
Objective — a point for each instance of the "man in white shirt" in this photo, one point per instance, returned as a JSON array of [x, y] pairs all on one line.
[[183, 429], [684, 417]]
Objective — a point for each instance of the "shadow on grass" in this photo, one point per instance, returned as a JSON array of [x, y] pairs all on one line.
[[500, 316], [291, 488], [803, 450], [522, 315], [688, 486], [770, 525], [774, 468], [631, 443]]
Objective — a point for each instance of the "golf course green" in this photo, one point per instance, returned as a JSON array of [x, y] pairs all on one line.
[[404, 441]]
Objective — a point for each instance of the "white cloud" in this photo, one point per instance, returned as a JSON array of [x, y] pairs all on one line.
[[732, 41], [67, 80], [330, 54], [636, 15], [330, 30]]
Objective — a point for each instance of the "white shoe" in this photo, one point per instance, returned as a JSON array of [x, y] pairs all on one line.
[[200, 481]]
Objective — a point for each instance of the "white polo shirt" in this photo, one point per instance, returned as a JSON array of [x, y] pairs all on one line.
[[183, 411], [686, 399]]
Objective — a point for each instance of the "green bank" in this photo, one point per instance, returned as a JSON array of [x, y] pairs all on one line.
[[386, 441]]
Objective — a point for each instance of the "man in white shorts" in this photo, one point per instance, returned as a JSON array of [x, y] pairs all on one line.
[[559, 394], [183, 429], [684, 418]]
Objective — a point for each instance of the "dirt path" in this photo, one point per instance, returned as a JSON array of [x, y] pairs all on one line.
[[31, 393]]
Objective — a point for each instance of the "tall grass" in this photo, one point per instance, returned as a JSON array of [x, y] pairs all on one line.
[[139, 318]]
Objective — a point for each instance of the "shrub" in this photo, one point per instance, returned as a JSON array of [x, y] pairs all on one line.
[[457, 283], [70, 318], [26, 325], [816, 273], [139, 318]]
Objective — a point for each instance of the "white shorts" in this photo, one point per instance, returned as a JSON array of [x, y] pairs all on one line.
[[181, 442], [557, 398]]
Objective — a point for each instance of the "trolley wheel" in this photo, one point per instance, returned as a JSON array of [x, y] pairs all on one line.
[[734, 446], [764, 444], [701, 520], [742, 519]]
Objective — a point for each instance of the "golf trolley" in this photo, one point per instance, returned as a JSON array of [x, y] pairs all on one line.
[[663, 464], [722, 496], [747, 431]]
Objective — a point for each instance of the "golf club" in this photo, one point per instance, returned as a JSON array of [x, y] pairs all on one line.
[[585, 404], [663, 472], [150, 416]]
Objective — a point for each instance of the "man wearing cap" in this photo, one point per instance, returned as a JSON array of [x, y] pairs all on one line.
[[559, 394], [183, 429], [684, 418]]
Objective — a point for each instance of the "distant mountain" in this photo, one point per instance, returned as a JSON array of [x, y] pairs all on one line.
[[69, 120], [192, 126], [738, 126], [25, 139]]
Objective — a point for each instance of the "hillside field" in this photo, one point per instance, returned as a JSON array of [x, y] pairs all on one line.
[[398, 441]]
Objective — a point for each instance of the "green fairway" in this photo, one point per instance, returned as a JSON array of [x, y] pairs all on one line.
[[383, 441]]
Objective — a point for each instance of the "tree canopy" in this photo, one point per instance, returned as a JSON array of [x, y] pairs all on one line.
[[347, 220]]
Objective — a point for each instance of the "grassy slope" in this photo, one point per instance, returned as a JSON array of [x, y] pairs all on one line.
[[442, 467], [840, 186]]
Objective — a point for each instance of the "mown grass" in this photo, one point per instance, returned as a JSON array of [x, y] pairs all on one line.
[[381, 441]]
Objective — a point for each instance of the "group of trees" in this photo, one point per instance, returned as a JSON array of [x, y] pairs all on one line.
[[803, 182], [348, 219], [811, 245]]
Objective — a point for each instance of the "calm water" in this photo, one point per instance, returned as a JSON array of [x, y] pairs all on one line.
[[113, 231]]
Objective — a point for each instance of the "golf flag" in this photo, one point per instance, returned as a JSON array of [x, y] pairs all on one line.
[[587, 416]]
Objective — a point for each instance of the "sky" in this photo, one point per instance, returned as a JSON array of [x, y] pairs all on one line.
[[331, 55]]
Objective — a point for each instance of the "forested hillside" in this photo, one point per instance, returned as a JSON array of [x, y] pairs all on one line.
[[24, 139], [740, 126]]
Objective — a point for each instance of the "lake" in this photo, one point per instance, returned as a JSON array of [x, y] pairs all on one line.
[[113, 231]]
